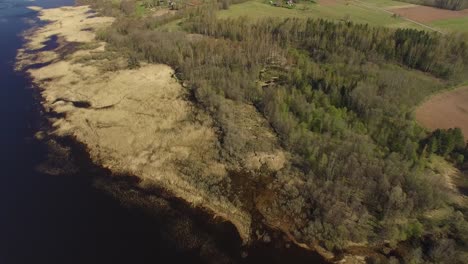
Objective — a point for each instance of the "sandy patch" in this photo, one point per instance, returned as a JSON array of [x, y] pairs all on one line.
[[427, 14], [445, 110], [70, 23], [352, 259], [35, 8], [162, 12], [453, 179]]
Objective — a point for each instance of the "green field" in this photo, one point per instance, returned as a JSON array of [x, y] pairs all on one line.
[[372, 12], [366, 11], [454, 24], [445, 25], [352, 10]]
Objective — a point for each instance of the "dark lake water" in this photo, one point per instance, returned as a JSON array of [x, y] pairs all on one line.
[[64, 219]]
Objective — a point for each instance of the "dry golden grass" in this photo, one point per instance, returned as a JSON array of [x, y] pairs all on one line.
[[133, 121], [140, 122]]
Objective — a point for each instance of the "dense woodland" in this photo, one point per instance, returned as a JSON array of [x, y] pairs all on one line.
[[340, 96], [444, 4]]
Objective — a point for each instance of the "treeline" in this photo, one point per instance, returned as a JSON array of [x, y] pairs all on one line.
[[129, 7], [447, 143], [340, 97], [429, 52], [379, 96], [444, 4]]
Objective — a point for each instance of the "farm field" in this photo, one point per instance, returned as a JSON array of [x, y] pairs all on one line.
[[452, 25], [327, 9], [373, 12], [445, 110], [387, 3], [440, 19], [426, 14]]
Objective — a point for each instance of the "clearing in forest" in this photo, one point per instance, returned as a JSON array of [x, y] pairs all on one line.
[[445, 110]]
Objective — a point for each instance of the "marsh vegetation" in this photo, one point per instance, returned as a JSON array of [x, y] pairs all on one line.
[[339, 97]]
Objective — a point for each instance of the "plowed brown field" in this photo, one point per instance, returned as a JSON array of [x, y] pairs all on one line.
[[428, 14], [445, 110]]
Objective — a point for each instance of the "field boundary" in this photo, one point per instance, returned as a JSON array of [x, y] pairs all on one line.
[[444, 90], [444, 110], [403, 17]]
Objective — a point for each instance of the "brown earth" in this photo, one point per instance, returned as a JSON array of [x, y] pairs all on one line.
[[445, 110], [428, 14]]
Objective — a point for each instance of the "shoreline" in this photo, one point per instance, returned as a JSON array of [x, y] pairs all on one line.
[[47, 58], [36, 60], [48, 69]]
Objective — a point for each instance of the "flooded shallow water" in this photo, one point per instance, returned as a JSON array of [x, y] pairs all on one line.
[[61, 217]]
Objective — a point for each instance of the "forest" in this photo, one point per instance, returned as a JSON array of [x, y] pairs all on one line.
[[340, 97], [448, 143]]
